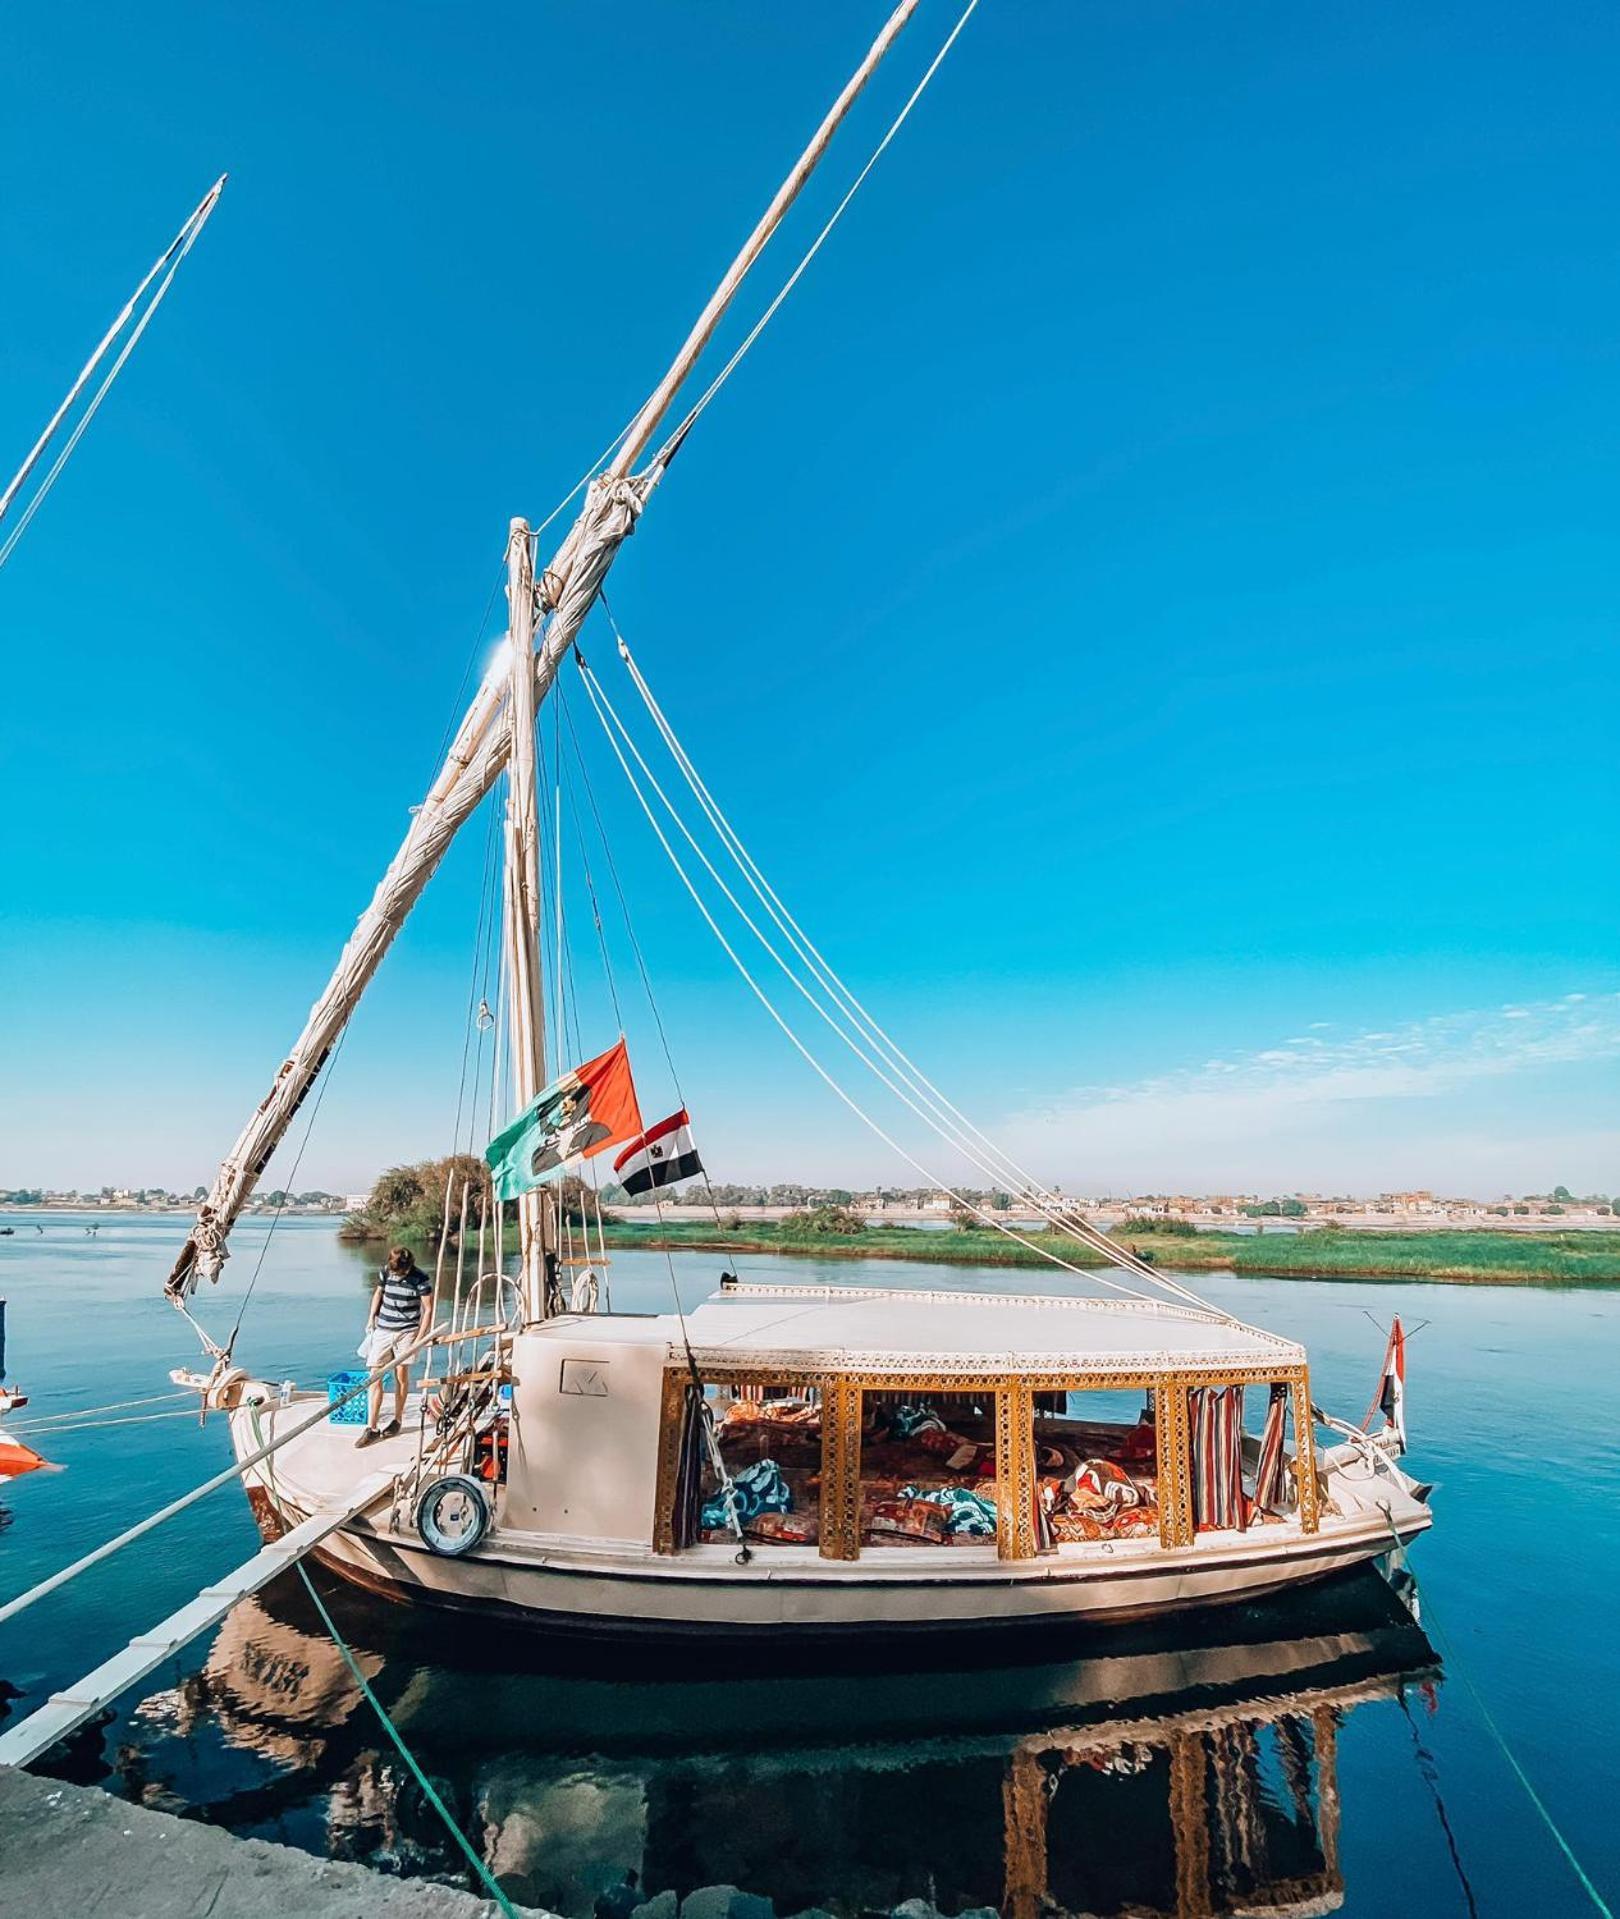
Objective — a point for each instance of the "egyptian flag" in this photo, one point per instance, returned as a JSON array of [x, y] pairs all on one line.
[[1392, 1390], [662, 1155], [582, 1113]]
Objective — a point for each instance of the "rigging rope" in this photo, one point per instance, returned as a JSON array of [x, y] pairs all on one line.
[[175, 252], [566, 718], [292, 1176], [946, 1119], [480, 963], [53, 472], [590, 881], [1116, 1254], [635, 947], [603, 708], [764, 320], [142, 1527], [820, 968]]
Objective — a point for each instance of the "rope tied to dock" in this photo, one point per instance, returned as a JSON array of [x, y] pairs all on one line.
[[486, 1878]]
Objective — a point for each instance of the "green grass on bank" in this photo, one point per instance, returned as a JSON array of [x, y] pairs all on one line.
[[1486, 1257]]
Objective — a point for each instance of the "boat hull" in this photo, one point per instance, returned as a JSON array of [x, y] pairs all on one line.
[[634, 1594]]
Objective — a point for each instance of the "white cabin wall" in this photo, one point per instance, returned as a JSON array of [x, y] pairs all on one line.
[[583, 1457]]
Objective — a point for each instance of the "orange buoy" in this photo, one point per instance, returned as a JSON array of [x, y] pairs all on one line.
[[16, 1458]]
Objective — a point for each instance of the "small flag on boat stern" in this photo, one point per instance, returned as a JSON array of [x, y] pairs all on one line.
[[584, 1112], [1392, 1391], [662, 1155]]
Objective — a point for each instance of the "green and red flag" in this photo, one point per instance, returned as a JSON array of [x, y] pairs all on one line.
[[584, 1112]]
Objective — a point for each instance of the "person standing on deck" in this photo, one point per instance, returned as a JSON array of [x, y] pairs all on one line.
[[396, 1319]]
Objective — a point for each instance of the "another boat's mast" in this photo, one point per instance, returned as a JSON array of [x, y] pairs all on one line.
[[525, 990], [180, 245]]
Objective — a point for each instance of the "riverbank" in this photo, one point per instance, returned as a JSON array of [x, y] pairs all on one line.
[[1480, 1258]]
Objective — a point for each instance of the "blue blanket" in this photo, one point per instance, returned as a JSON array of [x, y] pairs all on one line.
[[966, 1511], [759, 1488]]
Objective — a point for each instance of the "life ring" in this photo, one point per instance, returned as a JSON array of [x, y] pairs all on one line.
[[452, 1516]]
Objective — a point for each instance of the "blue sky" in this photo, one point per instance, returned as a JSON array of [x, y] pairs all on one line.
[[1149, 599]]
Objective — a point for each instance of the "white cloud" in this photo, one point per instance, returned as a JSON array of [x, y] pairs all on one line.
[[1326, 1110]]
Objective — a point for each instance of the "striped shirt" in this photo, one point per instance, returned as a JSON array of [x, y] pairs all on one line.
[[402, 1296]]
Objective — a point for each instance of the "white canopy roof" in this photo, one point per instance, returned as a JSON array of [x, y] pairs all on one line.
[[844, 1329]]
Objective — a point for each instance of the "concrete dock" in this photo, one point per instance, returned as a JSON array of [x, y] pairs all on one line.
[[74, 1849]]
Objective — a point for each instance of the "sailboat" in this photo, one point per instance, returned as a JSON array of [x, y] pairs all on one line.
[[778, 1459]]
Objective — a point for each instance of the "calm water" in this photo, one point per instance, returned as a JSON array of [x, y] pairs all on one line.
[[1273, 1753]]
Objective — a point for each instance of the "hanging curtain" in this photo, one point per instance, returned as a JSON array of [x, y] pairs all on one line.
[[1217, 1443], [685, 1525], [1269, 1477]]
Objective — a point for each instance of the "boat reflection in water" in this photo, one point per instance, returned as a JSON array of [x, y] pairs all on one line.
[[1190, 1770]]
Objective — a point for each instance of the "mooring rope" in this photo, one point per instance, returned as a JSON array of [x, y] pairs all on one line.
[[40, 1421], [1448, 1652], [486, 1878], [164, 1513], [48, 1433]]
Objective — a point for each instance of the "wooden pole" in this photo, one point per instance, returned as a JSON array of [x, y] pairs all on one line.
[[461, 1251], [526, 991], [648, 420]]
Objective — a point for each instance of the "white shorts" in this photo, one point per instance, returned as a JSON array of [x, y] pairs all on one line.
[[377, 1348]]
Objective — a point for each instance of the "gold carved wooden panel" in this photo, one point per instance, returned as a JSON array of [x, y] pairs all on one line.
[[1174, 1463], [1015, 1471], [671, 1415], [1310, 1492], [840, 1469]]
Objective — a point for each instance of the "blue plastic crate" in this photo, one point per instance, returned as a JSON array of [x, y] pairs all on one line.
[[354, 1414]]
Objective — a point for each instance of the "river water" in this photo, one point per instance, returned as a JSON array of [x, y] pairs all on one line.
[[1318, 1753]]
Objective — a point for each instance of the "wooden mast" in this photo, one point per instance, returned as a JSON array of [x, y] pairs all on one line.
[[476, 755], [526, 1024]]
